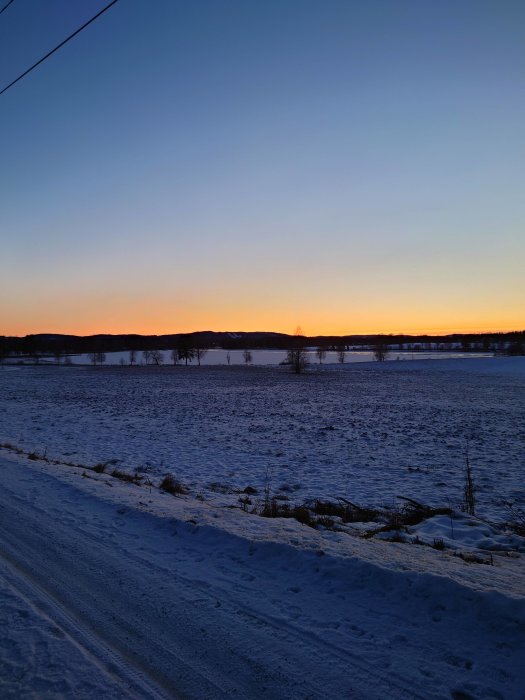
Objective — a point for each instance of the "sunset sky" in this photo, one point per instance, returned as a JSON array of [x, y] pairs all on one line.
[[257, 165]]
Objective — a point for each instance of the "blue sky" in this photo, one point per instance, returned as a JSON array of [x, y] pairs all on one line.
[[345, 166]]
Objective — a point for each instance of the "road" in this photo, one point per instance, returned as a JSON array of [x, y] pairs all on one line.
[[162, 609]]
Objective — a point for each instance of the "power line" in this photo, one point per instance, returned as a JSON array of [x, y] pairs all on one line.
[[6, 6], [104, 9]]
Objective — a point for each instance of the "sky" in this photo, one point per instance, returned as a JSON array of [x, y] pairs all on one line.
[[349, 167]]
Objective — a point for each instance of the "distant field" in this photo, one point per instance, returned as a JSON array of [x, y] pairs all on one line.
[[368, 432]]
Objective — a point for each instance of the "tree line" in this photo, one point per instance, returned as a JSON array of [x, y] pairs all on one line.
[[191, 347]]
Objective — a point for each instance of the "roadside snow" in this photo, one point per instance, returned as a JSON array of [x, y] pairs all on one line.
[[139, 594], [461, 532], [117, 590]]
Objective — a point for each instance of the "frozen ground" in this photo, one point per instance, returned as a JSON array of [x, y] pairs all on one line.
[[110, 591], [369, 432], [116, 590]]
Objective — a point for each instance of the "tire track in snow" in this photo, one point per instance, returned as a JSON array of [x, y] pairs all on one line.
[[159, 628], [133, 685], [175, 614]]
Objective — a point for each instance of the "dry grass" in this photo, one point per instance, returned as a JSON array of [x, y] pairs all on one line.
[[171, 485]]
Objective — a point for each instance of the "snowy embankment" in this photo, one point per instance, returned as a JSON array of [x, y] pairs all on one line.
[[112, 590]]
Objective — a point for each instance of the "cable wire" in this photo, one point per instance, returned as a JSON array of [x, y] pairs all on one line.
[[6, 6], [104, 9]]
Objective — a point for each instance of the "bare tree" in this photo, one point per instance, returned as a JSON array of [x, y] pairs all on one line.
[[228, 357], [200, 353], [157, 357], [146, 356], [186, 354], [247, 356], [185, 350], [469, 490], [380, 349], [174, 354], [321, 354], [97, 358], [296, 355], [341, 353], [132, 357]]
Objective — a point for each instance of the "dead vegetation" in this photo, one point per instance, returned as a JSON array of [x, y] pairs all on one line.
[[516, 522], [337, 514], [134, 478], [171, 485], [100, 468], [392, 522]]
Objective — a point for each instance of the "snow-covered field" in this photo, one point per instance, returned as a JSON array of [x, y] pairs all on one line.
[[117, 590], [369, 433]]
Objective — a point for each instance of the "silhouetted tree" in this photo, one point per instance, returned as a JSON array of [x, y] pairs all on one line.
[[146, 356], [174, 354], [341, 353], [97, 358], [296, 355], [200, 354], [247, 356], [157, 357], [516, 348], [185, 350], [380, 349], [321, 354], [132, 357]]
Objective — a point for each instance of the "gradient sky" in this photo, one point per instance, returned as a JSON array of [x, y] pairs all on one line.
[[257, 165]]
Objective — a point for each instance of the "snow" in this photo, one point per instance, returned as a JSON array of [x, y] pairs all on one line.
[[145, 595], [118, 590], [369, 433], [218, 356], [462, 532]]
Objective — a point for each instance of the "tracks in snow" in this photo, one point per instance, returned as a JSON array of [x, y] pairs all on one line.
[[162, 614]]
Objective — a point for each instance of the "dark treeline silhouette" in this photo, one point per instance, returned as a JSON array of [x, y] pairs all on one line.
[[57, 345]]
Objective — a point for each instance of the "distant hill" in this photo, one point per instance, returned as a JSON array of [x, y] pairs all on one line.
[[50, 343]]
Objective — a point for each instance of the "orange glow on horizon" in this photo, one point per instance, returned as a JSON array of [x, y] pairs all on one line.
[[155, 314], [311, 330]]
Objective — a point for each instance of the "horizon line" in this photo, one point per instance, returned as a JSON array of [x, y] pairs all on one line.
[[439, 333]]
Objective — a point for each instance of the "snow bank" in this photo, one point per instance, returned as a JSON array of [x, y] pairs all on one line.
[[462, 532], [177, 596]]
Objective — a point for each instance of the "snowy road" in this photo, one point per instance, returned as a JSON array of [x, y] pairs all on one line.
[[158, 608]]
